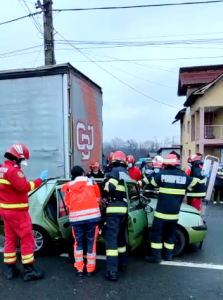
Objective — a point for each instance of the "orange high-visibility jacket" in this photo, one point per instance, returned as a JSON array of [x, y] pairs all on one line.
[[82, 197]]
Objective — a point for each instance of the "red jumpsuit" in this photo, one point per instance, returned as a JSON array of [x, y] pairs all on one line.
[[14, 207], [135, 173]]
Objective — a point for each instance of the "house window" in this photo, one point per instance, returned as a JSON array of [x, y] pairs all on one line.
[[189, 152], [188, 127]]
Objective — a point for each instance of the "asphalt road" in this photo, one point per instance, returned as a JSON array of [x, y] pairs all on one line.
[[141, 281]]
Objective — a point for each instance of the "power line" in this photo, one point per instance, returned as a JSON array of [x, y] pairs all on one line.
[[151, 98], [36, 24], [140, 6], [138, 76], [20, 18]]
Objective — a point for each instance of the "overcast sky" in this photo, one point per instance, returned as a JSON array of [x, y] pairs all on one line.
[[126, 113]]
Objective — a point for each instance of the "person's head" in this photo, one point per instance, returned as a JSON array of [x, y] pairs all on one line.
[[76, 171], [195, 159], [95, 167], [18, 153], [130, 161], [199, 154], [157, 166], [119, 158], [110, 157], [171, 161], [149, 161]]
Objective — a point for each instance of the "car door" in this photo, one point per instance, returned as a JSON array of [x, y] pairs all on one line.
[[63, 215], [137, 219]]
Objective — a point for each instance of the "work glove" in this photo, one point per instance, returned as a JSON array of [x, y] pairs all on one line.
[[43, 175]]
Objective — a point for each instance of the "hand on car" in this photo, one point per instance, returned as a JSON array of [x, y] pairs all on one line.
[[43, 175]]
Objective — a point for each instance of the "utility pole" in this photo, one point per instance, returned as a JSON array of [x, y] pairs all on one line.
[[47, 7]]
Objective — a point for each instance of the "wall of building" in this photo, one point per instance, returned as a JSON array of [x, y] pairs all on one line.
[[212, 98]]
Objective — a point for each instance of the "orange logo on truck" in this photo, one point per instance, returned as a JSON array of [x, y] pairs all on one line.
[[84, 139]]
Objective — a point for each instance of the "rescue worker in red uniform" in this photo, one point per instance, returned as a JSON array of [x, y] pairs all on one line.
[[134, 172], [116, 217], [83, 198], [195, 197], [95, 172], [14, 207], [172, 183]]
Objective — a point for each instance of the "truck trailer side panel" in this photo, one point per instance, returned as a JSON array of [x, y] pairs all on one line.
[[87, 122], [32, 112]]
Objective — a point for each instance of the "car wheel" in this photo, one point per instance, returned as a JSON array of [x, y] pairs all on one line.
[[180, 242], [41, 239]]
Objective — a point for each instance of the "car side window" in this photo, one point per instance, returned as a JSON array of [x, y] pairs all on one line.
[[133, 195], [63, 209]]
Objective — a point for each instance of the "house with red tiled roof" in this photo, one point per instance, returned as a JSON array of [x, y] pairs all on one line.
[[201, 118]]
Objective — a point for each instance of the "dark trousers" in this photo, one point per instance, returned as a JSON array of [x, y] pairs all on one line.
[[163, 234], [115, 242], [90, 232], [218, 190]]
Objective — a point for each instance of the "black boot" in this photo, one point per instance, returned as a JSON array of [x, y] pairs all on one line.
[[112, 276], [12, 272], [153, 259], [30, 273]]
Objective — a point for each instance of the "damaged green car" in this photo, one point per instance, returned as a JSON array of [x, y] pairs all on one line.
[[51, 221]]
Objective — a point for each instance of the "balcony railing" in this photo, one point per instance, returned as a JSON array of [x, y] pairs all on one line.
[[213, 132]]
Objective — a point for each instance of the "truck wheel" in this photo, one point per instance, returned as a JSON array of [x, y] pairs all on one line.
[[41, 238], [180, 242]]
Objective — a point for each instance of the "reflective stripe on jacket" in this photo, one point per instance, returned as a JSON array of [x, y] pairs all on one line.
[[172, 184], [115, 182], [14, 187], [82, 198]]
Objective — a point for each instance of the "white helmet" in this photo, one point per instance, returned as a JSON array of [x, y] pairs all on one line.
[[158, 159]]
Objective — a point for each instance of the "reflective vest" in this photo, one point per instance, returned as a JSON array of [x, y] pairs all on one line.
[[14, 187], [82, 196], [199, 190], [115, 186], [172, 184]]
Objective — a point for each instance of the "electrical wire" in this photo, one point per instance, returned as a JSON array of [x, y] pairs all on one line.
[[38, 55], [151, 98], [144, 65], [171, 87], [20, 18], [141, 6], [35, 22]]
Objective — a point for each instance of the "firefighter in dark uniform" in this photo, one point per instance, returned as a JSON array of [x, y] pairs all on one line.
[[195, 197], [172, 183], [116, 216]]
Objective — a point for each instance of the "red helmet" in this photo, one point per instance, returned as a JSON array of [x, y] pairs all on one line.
[[95, 166], [110, 155], [119, 157], [130, 159], [171, 159], [19, 151], [194, 157]]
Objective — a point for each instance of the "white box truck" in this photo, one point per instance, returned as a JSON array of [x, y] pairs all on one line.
[[57, 112]]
